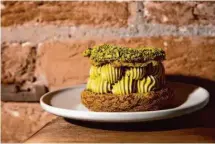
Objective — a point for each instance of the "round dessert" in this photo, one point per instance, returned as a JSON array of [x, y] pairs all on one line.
[[126, 79]]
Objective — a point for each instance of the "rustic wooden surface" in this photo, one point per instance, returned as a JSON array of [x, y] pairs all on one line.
[[186, 129], [195, 127]]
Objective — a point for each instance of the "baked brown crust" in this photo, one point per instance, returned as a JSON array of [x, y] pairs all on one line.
[[154, 100]]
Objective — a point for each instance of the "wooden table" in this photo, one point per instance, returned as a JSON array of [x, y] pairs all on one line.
[[196, 127], [192, 128]]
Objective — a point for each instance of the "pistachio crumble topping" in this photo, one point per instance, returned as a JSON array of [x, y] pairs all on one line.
[[104, 54]]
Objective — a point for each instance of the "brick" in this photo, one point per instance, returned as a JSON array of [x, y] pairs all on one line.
[[22, 120], [205, 12], [18, 79], [18, 63], [179, 13], [69, 13], [14, 92], [9, 88], [62, 65]]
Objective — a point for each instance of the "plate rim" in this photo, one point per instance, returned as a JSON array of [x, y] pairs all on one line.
[[190, 108]]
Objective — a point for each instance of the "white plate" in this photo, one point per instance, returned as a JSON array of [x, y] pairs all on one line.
[[67, 103]]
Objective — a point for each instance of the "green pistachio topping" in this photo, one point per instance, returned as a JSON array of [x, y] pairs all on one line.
[[103, 54]]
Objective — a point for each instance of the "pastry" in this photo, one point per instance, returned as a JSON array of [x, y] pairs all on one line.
[[126, 79]]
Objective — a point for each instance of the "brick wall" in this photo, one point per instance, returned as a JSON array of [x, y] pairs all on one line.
[[42, 42]]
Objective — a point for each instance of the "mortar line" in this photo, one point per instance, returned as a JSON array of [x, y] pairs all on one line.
[[41, 33]]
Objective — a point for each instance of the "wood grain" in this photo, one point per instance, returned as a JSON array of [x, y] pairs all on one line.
[[196, 127]]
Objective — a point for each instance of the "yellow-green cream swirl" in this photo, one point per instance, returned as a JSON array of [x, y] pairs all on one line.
[[121, 81], [110, 73], [124, 86], [136, 73], [158, 71], [95, 71], [146, 84], [98, 85]]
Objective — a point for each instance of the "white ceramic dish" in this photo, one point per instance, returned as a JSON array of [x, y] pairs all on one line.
[[67, 103]]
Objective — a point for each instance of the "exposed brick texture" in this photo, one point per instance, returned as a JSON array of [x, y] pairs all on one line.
[[63, 65], [30, 92], [21, 120], [18, 63], [18, 79], [179, 13], [205, 12], [70, 13], [107, 14]]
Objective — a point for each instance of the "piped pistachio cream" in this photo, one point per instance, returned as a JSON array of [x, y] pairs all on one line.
[[123, 86], [126, 77], [110, 73]]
